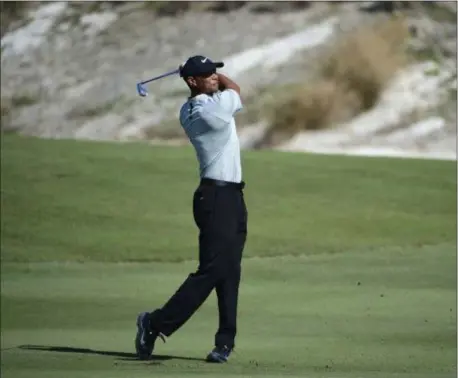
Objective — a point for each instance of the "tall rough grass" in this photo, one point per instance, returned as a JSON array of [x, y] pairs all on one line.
[[349, 79]]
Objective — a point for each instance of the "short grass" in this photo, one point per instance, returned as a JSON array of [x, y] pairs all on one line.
[[349, 270]]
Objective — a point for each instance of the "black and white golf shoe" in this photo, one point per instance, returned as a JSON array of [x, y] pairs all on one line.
[[146, 338], [219, 354]]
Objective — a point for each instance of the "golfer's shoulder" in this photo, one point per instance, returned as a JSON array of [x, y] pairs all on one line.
[[226, 95], [185, 113], [190, 112], [221, 101], [184, 108]]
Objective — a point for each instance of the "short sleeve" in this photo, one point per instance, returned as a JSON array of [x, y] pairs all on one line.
[[229, 101]]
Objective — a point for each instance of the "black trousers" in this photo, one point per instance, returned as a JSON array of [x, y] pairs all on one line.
[[221, 215]]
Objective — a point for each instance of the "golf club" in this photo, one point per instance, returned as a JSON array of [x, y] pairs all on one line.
[[142, 91]]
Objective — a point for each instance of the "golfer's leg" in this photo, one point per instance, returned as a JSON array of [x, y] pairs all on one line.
[[185, 302], [198, 286], [227, 292], [227, 289]]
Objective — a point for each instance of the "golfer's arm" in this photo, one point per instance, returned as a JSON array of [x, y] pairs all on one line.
[[226, 83]]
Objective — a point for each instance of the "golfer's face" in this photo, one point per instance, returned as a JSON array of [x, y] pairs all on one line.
[[207, 83]]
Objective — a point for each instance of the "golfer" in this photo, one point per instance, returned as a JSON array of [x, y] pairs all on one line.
[[219, 211]]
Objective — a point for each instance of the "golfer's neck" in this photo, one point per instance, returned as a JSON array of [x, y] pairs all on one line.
[[194, 93], [197, 93]]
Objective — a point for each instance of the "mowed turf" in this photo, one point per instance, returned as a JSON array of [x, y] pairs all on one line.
[[349, 270]]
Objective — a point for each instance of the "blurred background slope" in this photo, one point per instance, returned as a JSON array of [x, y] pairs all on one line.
[[372, 78]]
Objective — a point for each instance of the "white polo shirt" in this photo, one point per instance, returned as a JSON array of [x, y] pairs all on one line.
[[208, 121]]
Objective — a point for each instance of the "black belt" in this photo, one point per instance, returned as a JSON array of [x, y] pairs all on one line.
[[212, 182]]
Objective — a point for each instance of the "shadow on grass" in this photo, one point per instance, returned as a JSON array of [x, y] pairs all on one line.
[[123, 355]]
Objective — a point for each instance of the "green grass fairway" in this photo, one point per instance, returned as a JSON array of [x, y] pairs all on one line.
[[349, 269]]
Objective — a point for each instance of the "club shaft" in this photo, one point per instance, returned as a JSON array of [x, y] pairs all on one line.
[[161, 76]]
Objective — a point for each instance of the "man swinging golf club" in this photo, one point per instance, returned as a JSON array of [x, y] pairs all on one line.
[[219, 212]]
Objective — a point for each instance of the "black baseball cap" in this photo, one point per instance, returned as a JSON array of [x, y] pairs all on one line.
[[199, 65]]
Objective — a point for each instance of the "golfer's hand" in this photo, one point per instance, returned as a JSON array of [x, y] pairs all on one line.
[[226, 83]]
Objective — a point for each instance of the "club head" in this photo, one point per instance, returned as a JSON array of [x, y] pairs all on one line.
[[142, 90]]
